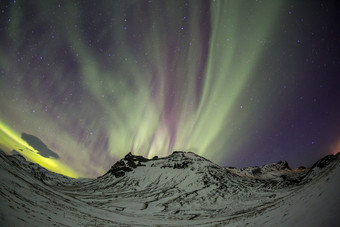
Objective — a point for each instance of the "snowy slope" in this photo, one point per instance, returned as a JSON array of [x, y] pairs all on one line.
[[181, 189]]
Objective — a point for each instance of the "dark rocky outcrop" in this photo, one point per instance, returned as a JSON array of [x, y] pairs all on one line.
[[325, 161], [127, 164], [284, 164]]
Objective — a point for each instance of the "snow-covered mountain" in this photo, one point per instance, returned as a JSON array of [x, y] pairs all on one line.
[[181, 189]]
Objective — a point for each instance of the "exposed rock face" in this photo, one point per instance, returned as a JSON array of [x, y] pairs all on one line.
[[284, 164], [127, 164], [322, 163]]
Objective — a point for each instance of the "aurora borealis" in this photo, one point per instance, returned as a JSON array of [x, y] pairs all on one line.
[[238, 82]]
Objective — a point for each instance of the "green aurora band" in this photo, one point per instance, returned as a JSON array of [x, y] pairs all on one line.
[[141, 80]]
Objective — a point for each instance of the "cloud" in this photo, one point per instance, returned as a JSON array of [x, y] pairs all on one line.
[[38, 145]]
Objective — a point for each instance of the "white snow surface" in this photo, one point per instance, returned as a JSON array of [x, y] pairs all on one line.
[[182, 189]]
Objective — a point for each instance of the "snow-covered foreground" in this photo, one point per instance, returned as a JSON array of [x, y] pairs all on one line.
[[179, 190]]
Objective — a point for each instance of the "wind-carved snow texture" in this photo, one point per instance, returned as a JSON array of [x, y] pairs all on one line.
[[179, 190]]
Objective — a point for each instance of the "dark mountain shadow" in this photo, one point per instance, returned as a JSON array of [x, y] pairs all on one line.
[[37, 144]]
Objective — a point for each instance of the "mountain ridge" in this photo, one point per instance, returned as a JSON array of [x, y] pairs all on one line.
[[180, 189]]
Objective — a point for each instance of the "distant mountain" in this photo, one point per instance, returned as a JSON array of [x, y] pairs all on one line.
[[181, 189]]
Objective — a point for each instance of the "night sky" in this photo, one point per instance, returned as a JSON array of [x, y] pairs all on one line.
[[242, 83]]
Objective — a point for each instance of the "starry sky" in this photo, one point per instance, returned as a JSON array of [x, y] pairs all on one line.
[[242, 83]]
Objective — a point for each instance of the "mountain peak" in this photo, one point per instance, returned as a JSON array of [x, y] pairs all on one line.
[[283, 164], [127, 164], [176, 160], [326, 160], [133, 158]]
